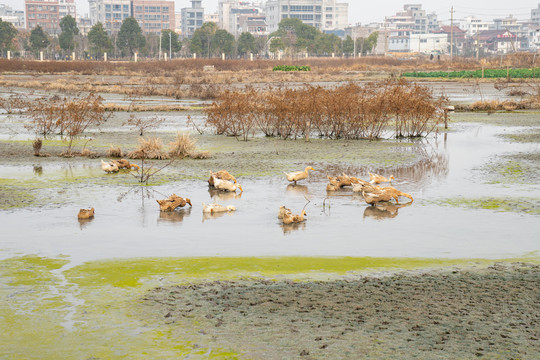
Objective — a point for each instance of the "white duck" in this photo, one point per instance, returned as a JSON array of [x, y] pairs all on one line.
[[226, 185], [109, 167], [215, 208]]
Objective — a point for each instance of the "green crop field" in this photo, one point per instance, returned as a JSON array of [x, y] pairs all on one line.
[[488, 73]]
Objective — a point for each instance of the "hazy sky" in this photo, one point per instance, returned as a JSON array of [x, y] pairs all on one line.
[[372, 11]]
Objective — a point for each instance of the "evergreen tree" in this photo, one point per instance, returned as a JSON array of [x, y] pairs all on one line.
[[68, 25], [223, 42], [201, 42], [169, 37], [38, 39], [130, 37], [7, 34], [246, 43], [99, 41]]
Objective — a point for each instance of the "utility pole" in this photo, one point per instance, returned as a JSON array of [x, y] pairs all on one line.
[[477, 44], [160, 33], [170, 47], [451, 33]]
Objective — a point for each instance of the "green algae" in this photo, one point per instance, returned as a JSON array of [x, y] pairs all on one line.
[[517, 205], [108, 320]]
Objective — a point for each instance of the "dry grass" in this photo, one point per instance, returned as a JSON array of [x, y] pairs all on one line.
[[182, 146], [89, 153], [150, 148], [201, 155], [114, 151]]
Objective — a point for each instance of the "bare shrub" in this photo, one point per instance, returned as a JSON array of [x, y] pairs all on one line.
[[349, 111], [14, 103], [182, 146], [150, 148], [89, 153], [144, 124], [114, 151], [37, 144]]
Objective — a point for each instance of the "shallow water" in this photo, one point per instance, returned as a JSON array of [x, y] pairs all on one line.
[[128, 222]]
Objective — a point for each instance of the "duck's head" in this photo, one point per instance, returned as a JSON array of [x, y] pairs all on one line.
[[392, 177], [240, 187], [303, 213], [310, 168], [188, 201], [231, 208]]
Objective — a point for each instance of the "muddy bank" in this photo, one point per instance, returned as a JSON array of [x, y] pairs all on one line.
[[445, 314]]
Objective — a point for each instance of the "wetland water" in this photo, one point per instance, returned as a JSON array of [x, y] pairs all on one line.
[[106, 288], [128, 222]]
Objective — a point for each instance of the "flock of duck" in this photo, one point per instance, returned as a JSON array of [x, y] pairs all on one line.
[[223, 181]]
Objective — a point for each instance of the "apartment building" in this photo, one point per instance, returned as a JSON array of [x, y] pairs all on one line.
[[413, 18], [154, 16], [15, 17], [472, 25], [231, 12], [44, 13], [192, 18], [535, 15], [111, 13], [325, 15]]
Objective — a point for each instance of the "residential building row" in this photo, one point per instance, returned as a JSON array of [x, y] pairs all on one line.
[[411, 29]]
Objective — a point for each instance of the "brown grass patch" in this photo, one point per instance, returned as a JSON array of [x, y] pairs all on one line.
[[182, 146], [114, 151], [150, 148]]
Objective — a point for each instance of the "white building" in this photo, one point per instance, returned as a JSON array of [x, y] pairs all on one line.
[[399, 40], [230, 12], [192, 18], [472, 25], [16, 17], [535, 15], [429, 43], [321, 14], [110, 13], [413, 18]]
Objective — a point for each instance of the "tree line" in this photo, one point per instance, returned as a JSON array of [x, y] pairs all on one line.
[[292, 38]]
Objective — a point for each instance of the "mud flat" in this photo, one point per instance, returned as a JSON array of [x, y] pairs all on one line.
[[452, 313]]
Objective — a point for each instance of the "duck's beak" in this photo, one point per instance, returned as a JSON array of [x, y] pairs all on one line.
[[240, 187], [189, 202]]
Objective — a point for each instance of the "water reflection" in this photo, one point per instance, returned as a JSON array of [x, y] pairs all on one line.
[[84, 222], [297, 189], [173, 216], [383, 211], [289, 228], [210, 216], [38, 170], [216, 194]]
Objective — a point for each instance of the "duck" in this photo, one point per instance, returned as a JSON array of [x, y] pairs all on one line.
[[125, 164], [215, 208], [282, 211], [226, 185], [289, 218], [395, 193], [362, 185], [109, 167], [377, 179], [372, 198], [299, 175], [174, 201], [222, 174], [86, 214]]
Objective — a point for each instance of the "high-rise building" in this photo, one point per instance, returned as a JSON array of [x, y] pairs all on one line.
[[230, 12], [111, 13], [192, 18], [44, 13], [67, 7], [154, 16], [15, 17], [535, 15], [322, 14]]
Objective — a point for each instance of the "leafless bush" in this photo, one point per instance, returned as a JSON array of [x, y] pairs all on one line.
[[14, 103], [150, 148], [143, 124], [349, 111]]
